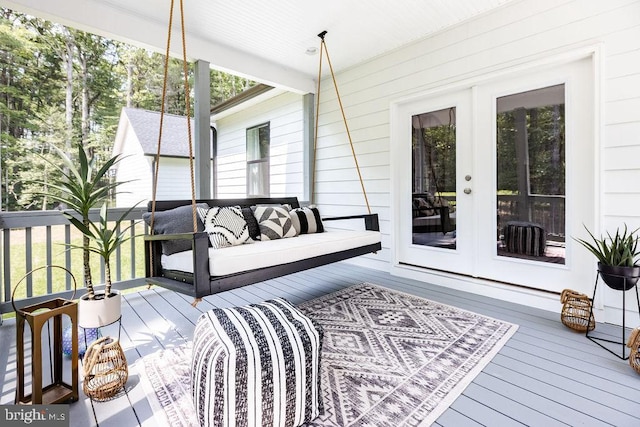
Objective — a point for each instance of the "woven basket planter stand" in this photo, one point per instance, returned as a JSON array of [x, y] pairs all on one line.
[[105, 369]]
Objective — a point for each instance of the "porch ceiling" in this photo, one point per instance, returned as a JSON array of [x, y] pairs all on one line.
[[266, 40]]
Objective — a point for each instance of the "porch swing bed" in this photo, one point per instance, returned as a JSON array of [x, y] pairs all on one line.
[[201, 270], [198, 270]]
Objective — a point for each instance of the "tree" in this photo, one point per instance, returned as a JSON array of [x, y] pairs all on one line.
[[60, 86], [23, 91], [225, 86], [35, 171]]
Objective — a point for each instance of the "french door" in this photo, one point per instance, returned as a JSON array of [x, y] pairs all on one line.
[[495, 178], [435, 207]]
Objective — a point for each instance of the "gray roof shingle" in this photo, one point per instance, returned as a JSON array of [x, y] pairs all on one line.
[[146, 125]]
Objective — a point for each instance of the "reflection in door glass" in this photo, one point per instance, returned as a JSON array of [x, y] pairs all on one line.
[[531, 175], [433, 210]]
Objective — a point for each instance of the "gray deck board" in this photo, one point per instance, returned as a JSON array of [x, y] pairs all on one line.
[[481, 413], [452, 418], [585, 386], [512, 402], [546, 374], [558, 405], [615, 388]]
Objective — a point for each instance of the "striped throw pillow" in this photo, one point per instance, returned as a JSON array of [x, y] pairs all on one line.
[[306, 220], [256, 365]]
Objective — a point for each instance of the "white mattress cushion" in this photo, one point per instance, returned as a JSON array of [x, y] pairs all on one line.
[[235, 259]]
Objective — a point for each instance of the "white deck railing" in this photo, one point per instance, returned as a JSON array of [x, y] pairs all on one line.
[[32, 239]]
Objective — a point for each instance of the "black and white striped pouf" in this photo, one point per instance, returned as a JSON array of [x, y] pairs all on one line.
[[257, 365], [523, 237]]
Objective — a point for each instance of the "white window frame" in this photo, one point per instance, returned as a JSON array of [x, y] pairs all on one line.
[[264, 160]]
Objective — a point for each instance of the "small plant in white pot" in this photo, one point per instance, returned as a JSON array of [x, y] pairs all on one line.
[[82, 187]]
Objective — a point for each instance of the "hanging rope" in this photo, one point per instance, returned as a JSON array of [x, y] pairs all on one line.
[[323, 47], [185, 70], [187, 99], [315, 132]]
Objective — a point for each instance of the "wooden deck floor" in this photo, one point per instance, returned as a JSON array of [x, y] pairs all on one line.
[[545, 375]]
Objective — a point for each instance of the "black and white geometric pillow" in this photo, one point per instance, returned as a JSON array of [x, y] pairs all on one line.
[[306, 220], [225, 226], [274, 222]]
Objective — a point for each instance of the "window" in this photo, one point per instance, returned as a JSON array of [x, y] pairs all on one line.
[[530, 150], [434, 178], [258, 140]]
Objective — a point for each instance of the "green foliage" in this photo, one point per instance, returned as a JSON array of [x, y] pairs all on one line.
[[38, 253], [619, 250], [80, 187], [106, 75], [434, 147], [35, 170], [225, 86], [106, 236], [546, 145]]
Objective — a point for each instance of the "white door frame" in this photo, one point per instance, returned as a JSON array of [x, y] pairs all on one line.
[[533, 297], [580, 162], [459, 260]]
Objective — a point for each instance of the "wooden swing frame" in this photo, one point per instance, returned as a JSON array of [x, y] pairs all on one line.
[[200, 284]]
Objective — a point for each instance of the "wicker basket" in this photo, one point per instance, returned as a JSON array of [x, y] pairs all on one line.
[[105, 369], [576, 310], [634, 345]]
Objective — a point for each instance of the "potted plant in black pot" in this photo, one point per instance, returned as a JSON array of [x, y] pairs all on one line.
[[617, 256], [80, 188]]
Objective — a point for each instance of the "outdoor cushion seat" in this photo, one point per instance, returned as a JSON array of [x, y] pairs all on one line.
[[256, 365], [236, 259]]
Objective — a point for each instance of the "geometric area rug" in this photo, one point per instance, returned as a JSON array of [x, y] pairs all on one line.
[[388, 359]]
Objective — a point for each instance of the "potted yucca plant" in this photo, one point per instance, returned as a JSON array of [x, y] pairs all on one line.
[[617, 256], [80, 188], [104, 308]]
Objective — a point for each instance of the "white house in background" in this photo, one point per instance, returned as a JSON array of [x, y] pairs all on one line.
[[260, 144], [137, 141], [270, 119], [523, 54]]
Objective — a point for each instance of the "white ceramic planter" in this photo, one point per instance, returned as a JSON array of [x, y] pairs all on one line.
[[99, 312]]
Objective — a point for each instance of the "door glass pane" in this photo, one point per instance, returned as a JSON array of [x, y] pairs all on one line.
[[531, 175], [433, 209]]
